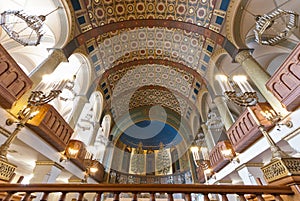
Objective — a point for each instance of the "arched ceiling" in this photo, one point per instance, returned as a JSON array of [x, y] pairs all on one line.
[[149, 53]]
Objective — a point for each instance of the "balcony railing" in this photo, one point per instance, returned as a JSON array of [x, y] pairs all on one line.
[[217, 159], [52, 127], [176, 178], [285, 83], [13, 81], [78, 191]]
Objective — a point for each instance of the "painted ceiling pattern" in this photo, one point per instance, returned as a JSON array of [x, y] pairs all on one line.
[[158, 43], [103, 12], [117, 33], [148, 96], [135, 77]]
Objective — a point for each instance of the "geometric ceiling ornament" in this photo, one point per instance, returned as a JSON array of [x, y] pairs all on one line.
[[24, 29], [275, 27]]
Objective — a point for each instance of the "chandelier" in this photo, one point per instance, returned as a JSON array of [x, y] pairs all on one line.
[[238, 90], [24, 29], [275, 27], [214, 122]]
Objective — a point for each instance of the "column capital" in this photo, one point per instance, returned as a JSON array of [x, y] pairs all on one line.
[[58, 54], [242, 56]]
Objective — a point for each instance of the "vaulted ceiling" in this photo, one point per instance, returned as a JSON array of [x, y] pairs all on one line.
[[149, 53]]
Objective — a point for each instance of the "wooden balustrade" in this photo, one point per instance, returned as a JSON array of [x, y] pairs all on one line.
[[285, 83], [245, 131], [13, 81], [279, 192], [217, 159], [52, 127]]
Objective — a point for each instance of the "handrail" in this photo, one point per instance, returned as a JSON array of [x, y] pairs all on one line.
[[187, 189]]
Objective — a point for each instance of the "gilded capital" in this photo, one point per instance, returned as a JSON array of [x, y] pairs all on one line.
[[242, 56], [59, 55]]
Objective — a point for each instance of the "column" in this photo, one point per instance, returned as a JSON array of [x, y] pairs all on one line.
[[45, 172], [259, 77], [208, 137], [251, 173], [224, 111], [46, 67]]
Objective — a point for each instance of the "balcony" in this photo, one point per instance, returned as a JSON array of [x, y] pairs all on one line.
[[245, 131], [13, 81], [217, 159], [51, 126], [285, 83]]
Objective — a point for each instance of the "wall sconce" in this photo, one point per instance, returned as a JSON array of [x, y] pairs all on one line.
[[265, 31], [275, 118], [230, 155], [91, 168], [73, 150], [238, 90]]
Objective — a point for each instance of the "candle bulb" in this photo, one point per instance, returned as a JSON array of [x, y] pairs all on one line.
[[205, 154]]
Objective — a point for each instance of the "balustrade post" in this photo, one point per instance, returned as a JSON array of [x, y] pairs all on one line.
[[98, 196], [170, 197], [206, 198], [152, 196], [8, 196], [27, 196], [224, 197], [80, 197], [116, 196], [134, 196], [188, 197], [242, 198], [260, 198], [278, 198], [63, 196], [45, 196]]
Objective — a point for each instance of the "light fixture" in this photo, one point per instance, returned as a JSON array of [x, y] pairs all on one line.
[[23, 28], [34, 102], [73, 150], [91, 168], [275, 27], [229, 154], [238, 90], [202, 160], [275, 118], [214, 122]]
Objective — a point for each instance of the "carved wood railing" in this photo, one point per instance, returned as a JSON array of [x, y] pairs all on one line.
[[52, 127], [217, 159], [117, 177], [285, 83], [79, 190], [13, 81], [243, 132]]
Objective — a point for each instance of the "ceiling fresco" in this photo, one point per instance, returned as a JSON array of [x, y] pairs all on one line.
[[148, 53], [150, 43], [110, 11]]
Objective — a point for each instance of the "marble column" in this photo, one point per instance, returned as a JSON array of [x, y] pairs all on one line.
[[259, 77], [251, 173], [224, 111], [45, 172], [210, 142]]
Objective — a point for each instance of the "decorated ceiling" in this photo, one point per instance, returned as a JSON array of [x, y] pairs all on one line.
[[148, 53]]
